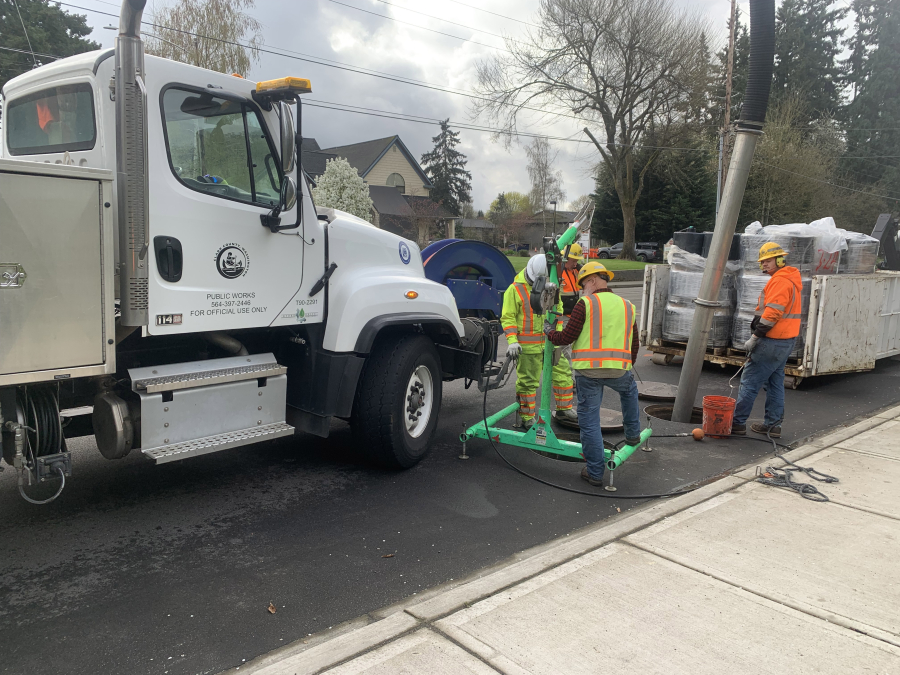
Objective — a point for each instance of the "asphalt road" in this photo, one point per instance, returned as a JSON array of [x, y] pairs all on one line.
[[139, 568]]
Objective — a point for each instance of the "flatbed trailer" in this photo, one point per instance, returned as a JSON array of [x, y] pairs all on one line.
[[854, 320]]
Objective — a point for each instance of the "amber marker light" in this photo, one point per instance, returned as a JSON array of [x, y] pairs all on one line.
[[411, 295]]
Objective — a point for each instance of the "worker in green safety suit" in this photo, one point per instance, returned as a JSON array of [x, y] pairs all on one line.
[[525, 337]]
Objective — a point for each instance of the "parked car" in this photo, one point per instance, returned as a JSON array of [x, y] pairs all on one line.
[[645, 251]]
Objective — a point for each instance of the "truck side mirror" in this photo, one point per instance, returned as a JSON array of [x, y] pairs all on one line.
[[288, 193], [288, 140]]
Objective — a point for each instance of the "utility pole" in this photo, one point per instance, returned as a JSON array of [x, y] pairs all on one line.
[[723, 133]]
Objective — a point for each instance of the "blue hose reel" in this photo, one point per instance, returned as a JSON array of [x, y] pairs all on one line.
[[475, 272]]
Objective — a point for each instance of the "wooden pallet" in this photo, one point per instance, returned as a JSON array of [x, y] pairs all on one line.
[[728, 357]]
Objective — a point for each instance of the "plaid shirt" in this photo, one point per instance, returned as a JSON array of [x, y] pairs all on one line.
[[572, 330]]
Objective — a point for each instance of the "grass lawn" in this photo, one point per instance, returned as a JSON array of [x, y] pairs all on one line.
[[611, 264]]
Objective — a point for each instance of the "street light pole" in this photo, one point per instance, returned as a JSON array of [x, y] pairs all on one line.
[[554, 218]]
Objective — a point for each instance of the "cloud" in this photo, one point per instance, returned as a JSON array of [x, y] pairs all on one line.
[[328, 30]]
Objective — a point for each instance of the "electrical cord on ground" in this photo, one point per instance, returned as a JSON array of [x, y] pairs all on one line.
[[782, 478], [563, 487]]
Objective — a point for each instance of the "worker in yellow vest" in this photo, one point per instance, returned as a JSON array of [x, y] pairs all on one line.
[[603, 335], [525, 338]]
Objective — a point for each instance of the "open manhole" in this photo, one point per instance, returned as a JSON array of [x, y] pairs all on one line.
[[663, 411], [657, 391]]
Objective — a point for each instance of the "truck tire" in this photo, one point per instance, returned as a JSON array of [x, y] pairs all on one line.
[[397, 401]]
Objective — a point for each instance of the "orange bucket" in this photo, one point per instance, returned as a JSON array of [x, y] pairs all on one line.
[[718, 413]]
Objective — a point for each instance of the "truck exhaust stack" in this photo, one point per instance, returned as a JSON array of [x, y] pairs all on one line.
[[131, 165]]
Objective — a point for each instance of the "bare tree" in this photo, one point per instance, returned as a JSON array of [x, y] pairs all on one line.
[[427, 219], [221, 29], [546, 184], [625, 66]]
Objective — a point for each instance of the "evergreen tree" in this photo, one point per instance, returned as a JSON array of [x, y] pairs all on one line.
[[680, 191], [50, 31], [807, 45], [446, 167], [873, 117]]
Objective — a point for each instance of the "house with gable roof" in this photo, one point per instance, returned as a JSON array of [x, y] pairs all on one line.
[[397, 184]]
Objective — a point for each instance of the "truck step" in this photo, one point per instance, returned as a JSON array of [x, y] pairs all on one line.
[[231, 439], [177, 376]]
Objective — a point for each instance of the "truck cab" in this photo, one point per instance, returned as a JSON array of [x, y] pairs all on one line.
[[221, 307]]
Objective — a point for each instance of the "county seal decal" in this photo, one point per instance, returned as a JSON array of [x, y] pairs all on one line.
[[405, 255], [232, 261]]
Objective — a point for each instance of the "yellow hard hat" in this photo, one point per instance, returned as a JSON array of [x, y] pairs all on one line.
[[770, 250], [593, 267], [575, 252]]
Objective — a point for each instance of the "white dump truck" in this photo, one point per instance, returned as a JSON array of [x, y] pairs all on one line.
[[168, 284]]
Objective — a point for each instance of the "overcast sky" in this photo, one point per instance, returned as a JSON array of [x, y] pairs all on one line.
[[327, 30]]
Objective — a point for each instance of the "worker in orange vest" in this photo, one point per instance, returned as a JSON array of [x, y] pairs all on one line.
[[571, 291], [775, 329]]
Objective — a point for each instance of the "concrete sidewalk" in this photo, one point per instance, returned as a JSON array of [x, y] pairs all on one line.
[[734, 577]]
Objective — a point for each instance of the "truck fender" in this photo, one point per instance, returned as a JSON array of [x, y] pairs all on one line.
[[374, 326]]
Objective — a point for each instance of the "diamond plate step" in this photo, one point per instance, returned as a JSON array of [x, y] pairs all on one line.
[[204, 373], [231, 439]]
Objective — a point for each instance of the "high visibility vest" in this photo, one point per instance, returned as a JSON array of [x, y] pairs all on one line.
[[605, 339], [531, 330], [780, 304], [569, 282]]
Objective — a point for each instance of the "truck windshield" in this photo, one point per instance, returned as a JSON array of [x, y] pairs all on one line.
[[218, 146], [51, 120]]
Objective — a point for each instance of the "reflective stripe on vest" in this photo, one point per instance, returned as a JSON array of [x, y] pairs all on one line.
[[788, 325], [605, 338], [526, 332]]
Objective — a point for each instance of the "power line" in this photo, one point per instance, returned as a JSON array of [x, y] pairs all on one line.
[[825, 182], [407, 23], [437, 18], [487, 11], [25, 51], [25, 30]]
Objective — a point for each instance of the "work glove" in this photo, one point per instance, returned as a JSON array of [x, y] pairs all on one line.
[[513, 350], [750, 344], [547, 327]]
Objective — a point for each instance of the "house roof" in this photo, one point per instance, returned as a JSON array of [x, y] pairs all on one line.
[[388, 201], [477, 223], [363, 156]]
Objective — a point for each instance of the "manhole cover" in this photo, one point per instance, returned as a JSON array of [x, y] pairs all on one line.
[[610, 420], [657, 391]]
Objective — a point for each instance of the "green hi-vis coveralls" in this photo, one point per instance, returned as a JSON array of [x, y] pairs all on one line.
[[522, 325]]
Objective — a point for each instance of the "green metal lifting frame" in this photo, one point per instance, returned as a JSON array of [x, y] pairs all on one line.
[[541, 435]]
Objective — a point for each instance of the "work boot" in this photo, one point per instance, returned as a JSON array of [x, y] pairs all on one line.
[[567, 415], [772, 432], [632, 441], [590, 479], [527, 423], [738, 429]]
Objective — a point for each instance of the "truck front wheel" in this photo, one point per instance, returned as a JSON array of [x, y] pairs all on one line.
[[397, 402]]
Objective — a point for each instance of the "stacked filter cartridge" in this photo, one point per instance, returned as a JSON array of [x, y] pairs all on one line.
[[861, 254], [801, 253], [684, 286]]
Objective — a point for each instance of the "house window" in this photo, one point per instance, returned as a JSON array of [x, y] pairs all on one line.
[[396, 180]]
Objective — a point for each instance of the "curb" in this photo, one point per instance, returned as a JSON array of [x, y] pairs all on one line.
[[365, 633]]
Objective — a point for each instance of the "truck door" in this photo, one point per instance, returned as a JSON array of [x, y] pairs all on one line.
[[213, 266]]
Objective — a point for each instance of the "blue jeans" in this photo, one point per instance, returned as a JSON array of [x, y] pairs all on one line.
[[765, 368], [590, 397]]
